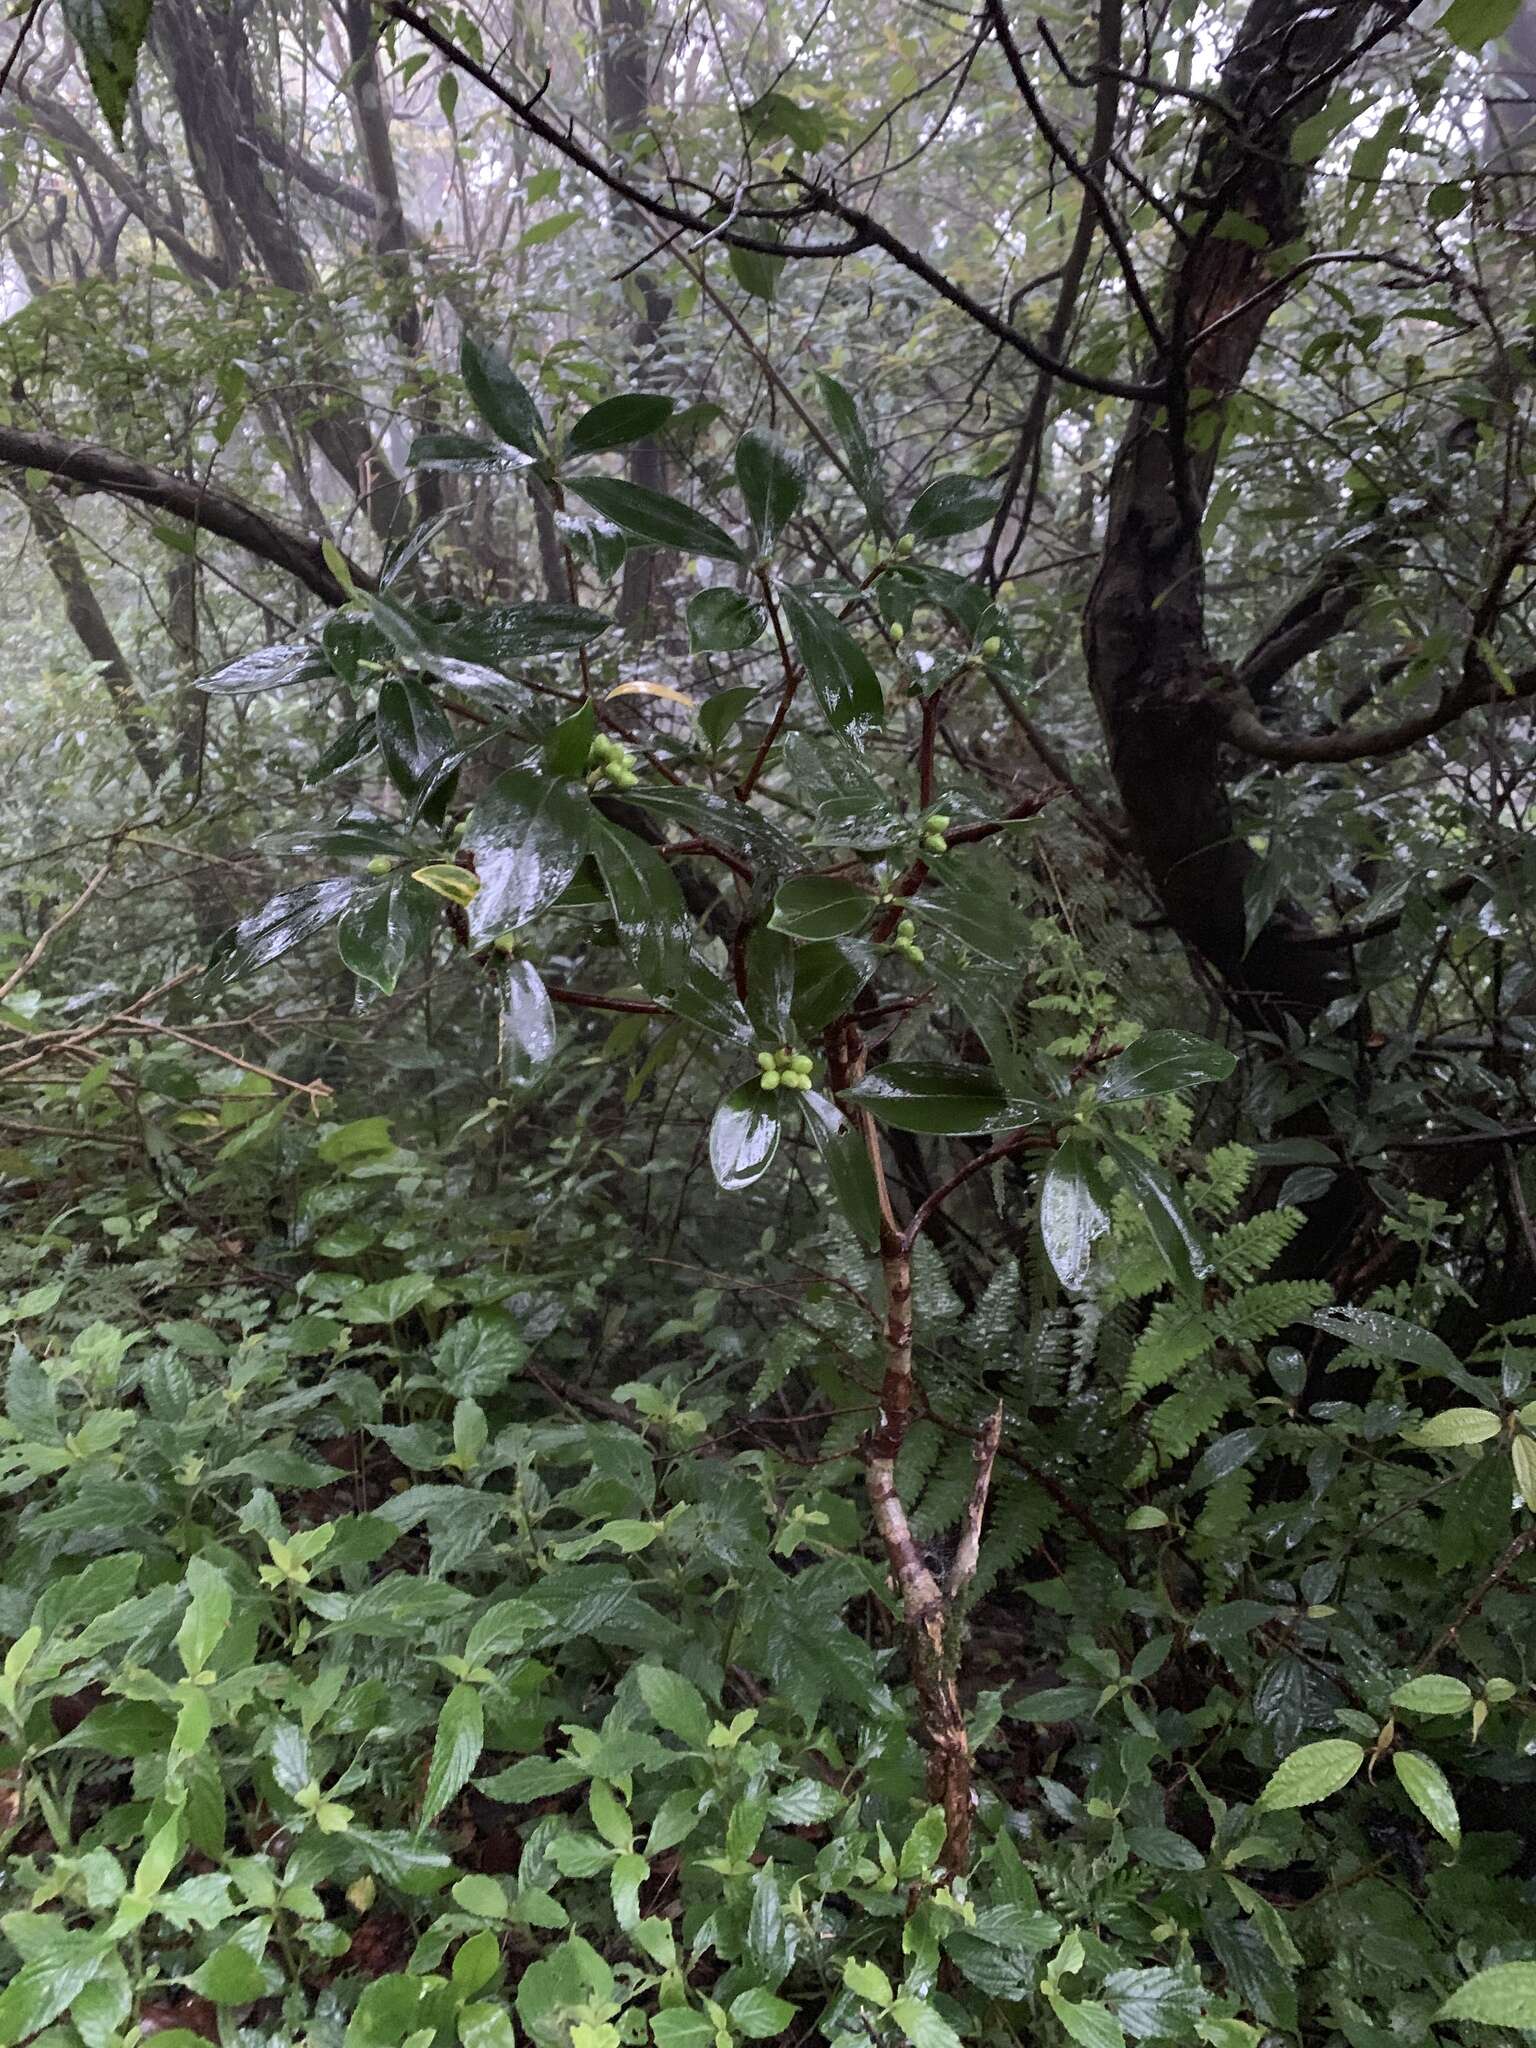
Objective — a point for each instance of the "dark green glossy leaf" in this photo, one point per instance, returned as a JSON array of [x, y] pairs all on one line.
[[526, 1024], [845, 1155], [770, 983], [969, 905], [529, 835], [648, 907], [506, 633], [840, 672], [828, 977], [719, 714], [618, 421], [821, 907], [1074, 1212], [923, 1095], [409, 636], [464, 455], [1228, 1454], [702, 814], [110, 34], [722, 621], [1178, 1242], [1163, 1063], [352, 743], [414, 733], [280, 925], [378, 939], [267, 668], [597, 541], [502, 400], [771, 479], [702, 998], [567, 748], [654, 518], [743, 1138], [863, 463], [951, 504], [351, 638]]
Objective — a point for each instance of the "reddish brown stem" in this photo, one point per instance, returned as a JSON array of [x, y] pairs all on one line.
[[792, 675]]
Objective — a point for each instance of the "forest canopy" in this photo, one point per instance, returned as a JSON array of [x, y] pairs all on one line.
[[766, 1006]]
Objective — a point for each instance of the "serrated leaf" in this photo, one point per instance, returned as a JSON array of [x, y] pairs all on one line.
[[1504, 1996], [455, 1750], [48, 1984], [1311, 1773], [674, 1703], [1427, 1786], [207, 1617], [1433, 1694], [1454, 1429]]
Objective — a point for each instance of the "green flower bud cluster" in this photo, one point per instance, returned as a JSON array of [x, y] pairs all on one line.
[[992, 646], [381, 864], [898, 632], [935, 826], [784, 1069], [607, 761], [905, 545], [905, 942]]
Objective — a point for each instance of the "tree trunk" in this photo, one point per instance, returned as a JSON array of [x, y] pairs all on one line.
[[89, 622], [208, 63], [626, 103], [1151, 669]]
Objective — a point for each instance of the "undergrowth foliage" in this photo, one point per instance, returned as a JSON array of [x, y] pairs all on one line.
[[937, 1600]]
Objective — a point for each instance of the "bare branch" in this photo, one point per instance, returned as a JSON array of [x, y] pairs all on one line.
[[201, 505]]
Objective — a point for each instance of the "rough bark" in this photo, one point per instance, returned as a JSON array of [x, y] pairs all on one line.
[[1149, 662], [208, 63]]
